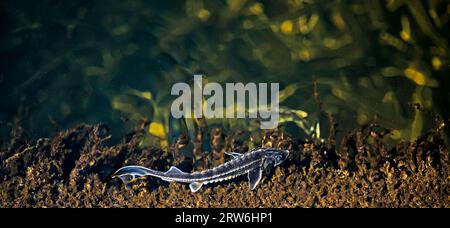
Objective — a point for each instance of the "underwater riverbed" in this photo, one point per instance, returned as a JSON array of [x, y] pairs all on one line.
[[73, 169]]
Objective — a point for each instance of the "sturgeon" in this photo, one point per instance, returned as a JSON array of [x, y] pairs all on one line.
[[252, 163]]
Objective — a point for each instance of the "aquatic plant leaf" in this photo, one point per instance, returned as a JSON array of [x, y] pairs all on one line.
[[157, 129], [145, 94], [287, 92]]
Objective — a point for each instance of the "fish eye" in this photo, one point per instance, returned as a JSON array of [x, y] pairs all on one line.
[[278, 158]]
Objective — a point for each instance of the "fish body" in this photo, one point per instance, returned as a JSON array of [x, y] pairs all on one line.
[[252, 163]]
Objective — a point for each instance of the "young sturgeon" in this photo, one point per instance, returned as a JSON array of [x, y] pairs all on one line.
[[252, 163]]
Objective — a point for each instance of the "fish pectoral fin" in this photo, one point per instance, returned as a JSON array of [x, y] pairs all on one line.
[[233, 154], [195, 186], [268, 162], [254, 176], [174, 171]]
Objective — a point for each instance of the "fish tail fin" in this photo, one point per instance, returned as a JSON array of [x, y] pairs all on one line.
[[128, 173]]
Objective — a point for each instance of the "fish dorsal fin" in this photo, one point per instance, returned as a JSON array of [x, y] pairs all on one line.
[[195, 186], [174, 171], [234, 154], [254, 176]]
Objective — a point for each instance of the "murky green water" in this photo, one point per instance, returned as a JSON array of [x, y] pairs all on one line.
[[68, 62]]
